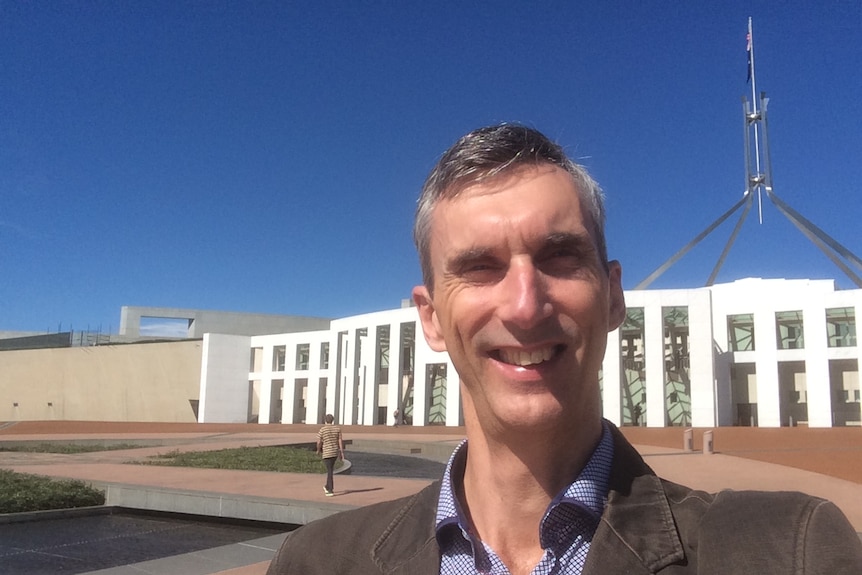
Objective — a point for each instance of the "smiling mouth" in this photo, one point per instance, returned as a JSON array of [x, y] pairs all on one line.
[[524, 358]]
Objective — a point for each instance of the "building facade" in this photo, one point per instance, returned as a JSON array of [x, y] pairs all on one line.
[[755, 352]]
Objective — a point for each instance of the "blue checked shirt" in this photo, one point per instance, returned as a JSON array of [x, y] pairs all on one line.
[[565, 531]]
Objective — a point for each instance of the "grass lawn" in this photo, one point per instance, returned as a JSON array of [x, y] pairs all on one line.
[[274, 458], [24, 492]]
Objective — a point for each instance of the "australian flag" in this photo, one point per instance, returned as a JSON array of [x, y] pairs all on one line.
[[748, 51]]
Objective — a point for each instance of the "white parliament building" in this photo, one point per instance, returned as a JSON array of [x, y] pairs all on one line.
[[754, 352]]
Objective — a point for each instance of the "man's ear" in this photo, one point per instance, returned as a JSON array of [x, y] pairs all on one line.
[[428, 317], [616, 297]]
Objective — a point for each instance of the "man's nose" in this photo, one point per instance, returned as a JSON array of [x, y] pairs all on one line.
[[524, 295]]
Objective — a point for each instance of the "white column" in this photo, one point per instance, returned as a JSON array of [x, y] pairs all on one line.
[[858, 316], [224, 378], [265, 384], [766, 364], [722, 360], [317, 392], [334, 402], [315, 397], [654, 364], [265, 398], [701, 360], [314, 374], [612, 380], [285, 375], [289, 397], [817, 365], [368, 366], [393, 388], [453, 394], [348, 377]]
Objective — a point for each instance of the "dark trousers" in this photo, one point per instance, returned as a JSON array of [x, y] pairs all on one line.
[[329, 462]]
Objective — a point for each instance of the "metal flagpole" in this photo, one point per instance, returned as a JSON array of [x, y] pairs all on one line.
[[754, 116], [758, 176]]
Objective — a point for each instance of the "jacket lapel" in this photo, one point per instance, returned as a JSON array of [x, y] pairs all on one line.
[[408, 546], [637, 533]]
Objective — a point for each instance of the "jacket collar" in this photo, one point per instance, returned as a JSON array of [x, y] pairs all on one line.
[[408, 546], [637, 533]]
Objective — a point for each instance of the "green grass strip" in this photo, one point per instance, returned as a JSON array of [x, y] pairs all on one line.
[[274, 458], [21, 492]]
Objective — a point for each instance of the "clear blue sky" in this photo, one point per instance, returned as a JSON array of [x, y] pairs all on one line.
[[266, 156]]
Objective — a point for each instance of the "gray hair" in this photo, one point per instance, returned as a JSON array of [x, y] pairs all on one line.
[[489, 152]]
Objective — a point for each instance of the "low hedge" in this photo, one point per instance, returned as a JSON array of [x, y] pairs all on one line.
[[21, 492]]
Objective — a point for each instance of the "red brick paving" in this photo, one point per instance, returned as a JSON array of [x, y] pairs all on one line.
[[835, 451]]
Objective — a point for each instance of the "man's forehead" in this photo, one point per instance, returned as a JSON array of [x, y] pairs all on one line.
[[501, 180], [458, 230], [490, 193]]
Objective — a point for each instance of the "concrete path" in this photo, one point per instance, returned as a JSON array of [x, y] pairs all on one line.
[[299, 498]]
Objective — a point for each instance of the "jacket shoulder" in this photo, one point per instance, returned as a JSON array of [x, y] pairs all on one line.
[[763, 532], [347, 541]]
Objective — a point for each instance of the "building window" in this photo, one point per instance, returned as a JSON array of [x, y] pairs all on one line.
[[302, 351], [324, 355], [405, 391], [632, 374], [841, 326], [279, 353], [435, 378], [740, 332], [677, 384], [789, 330]]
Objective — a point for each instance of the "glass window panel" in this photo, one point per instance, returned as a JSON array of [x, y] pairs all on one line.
[[789, 332], [632, 372], [841, 327], [279, 353], [676, 366], [740, 332], [302, 354]]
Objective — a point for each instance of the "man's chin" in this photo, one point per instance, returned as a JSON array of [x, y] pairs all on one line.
[[534, 415]]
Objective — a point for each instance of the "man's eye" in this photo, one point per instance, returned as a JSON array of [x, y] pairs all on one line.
[[562, 262], [481, 272], [562, 255]]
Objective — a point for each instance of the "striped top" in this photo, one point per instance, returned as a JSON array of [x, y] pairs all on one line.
[[329, 435]]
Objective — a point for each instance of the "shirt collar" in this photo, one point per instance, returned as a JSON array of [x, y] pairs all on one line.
[[587, 493]]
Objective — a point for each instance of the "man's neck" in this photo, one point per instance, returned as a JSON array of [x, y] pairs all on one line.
[[510, 481]]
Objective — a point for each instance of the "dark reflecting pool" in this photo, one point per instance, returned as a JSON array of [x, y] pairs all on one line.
[[80, 544]]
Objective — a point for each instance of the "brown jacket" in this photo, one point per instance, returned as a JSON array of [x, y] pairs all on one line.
[[649, 526]]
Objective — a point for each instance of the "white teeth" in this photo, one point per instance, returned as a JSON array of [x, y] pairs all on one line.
[[526, 358]]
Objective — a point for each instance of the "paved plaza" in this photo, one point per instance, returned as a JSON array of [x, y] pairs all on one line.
[[823, 462]]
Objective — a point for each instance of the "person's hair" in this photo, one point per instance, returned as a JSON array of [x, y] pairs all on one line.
[[489, 152], [329, 418]]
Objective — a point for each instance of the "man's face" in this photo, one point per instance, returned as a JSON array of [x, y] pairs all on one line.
[[521, 300]]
